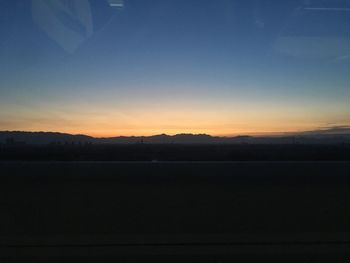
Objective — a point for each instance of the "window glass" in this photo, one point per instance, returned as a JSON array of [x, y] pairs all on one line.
[[106, 68]]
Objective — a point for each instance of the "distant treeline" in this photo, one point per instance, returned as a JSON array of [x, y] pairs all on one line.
[[175, 152]]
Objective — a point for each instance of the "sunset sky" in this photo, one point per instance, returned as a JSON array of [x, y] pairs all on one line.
[[224, 67]]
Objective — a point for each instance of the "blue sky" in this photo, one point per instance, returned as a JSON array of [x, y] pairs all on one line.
[[163, 66]]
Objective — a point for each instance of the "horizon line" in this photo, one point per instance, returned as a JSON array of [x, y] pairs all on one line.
[[256, 135]]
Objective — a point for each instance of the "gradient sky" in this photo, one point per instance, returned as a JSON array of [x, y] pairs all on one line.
[[222, 67]]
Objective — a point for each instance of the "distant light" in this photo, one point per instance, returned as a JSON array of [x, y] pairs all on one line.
[[116, 3]]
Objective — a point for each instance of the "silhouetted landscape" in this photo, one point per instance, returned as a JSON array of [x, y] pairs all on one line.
[[43, 146], [172, 131]]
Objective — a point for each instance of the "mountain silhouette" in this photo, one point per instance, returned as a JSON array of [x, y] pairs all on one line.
[[43, 138]]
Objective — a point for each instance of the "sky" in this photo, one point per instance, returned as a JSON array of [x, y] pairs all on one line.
[[138, 67]]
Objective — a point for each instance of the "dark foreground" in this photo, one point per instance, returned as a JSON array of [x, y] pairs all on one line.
[[175, 212], [177, 152]]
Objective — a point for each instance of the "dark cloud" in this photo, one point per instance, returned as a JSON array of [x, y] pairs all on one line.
[[337, 129]]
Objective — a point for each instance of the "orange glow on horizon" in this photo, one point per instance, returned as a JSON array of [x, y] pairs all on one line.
[[150, 132], [148, 120]]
